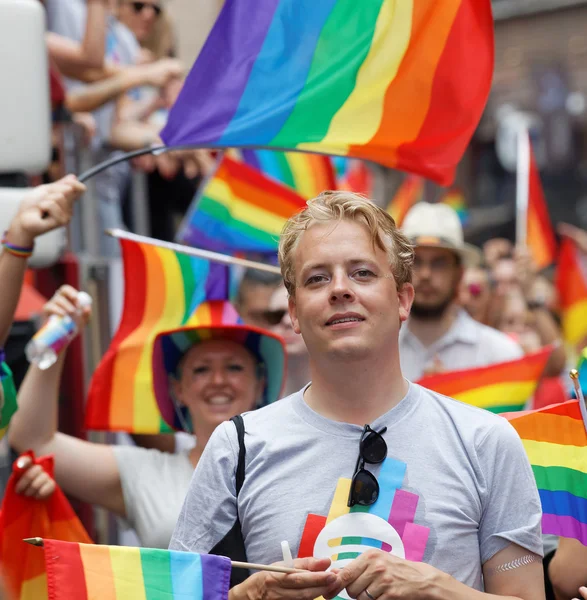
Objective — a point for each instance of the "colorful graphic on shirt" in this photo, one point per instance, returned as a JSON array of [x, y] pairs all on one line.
[[387, 525]]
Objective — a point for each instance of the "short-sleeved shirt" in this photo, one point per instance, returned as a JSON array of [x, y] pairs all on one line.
[[467, 344], [455, 489], [154, 485]]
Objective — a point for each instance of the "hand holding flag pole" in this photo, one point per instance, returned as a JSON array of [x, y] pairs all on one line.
[[37, 541]]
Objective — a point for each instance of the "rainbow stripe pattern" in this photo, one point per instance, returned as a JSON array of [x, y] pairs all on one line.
[[239, 211], [540, 235], [571, 284], [307, 173], [399, 82], [7, 395], [582, 370], [163, 289], [410, 191], [555, 440], [92, 572], [499, 388], [455, 198]]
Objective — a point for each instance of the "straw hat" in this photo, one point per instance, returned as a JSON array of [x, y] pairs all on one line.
[[214, 320], [439, 226]]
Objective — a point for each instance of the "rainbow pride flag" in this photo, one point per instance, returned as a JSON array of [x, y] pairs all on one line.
[[307, 173], [571, 283], [555, 440], [163, 289], [22, 565], [455, 198], [582, 370], [399, 83], [7, 395], [540, 235], [409, 192], [499, 388], [94, 572], [355, 176], [239, 210]]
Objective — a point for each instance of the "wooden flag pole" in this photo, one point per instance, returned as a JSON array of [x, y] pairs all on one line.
[[37, 541], [522, 186], [225, 259]]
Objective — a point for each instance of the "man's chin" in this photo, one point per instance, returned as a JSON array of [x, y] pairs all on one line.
[[429, 312]]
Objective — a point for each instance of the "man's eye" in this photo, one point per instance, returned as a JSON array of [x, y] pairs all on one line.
[[315, 279], [363, 273]]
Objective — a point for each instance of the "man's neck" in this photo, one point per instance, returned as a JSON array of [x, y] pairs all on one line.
[[429, 331], [356, 392], [298, 373]]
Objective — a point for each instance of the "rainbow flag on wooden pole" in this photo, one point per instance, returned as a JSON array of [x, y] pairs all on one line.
[[499, 388], [239, 210], [555, 440], [95, 572], [402, 83]]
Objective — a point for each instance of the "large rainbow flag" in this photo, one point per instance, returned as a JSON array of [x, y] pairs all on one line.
[[239, 210], [399, 82], [307, 173], [93, 572], [499, 388], [21, 517], [571, 283], [163, 289], [556, 443], [410, 191], [540, 235]]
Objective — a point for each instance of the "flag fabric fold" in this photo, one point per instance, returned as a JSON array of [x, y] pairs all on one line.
[[96, 572], [239, 210], [555, 441], [163, 289], [540, 237], [21, 517], [499, 388], [571, 284], [399, 82]]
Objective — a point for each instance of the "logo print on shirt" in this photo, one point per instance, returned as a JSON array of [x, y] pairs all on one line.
[[387, 525]]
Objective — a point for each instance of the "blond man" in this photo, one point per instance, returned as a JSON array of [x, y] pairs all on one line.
[[402, 492]]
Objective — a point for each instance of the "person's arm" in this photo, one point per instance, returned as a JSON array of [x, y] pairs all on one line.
[[90, 53], [568, 569], [45, 208], [85, 470]]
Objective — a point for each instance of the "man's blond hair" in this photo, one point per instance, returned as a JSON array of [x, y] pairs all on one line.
[[339, 206]]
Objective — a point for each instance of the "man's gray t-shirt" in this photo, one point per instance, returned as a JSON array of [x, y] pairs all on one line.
[[456, 487]]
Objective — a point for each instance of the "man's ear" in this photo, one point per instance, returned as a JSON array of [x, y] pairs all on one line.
[[293, 314], [405, 296]]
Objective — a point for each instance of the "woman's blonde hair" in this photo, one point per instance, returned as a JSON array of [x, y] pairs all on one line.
[[338, 206]]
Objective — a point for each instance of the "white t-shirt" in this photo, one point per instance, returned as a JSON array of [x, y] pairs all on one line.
[[467, 344], [456, 486]]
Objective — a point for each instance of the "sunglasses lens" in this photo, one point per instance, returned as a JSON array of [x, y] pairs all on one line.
[[365, 488], [274, 317], [373, 448]]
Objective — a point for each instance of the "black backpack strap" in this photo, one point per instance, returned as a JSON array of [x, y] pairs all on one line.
[[242, 452], [233, 544]]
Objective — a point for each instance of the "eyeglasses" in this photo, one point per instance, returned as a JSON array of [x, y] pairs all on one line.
[[139, 7], [372, 450], [274, 317]]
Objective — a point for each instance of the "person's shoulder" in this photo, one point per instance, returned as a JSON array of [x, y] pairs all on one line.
[[136, 458], [276, 412], [499, 344]]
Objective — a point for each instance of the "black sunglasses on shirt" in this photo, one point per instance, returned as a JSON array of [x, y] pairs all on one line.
[[372, 450], [139, 7]]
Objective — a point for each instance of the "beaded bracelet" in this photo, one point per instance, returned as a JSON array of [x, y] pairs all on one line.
[[20, 251]]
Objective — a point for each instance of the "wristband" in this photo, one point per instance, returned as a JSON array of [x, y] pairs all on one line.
[[20, 251]]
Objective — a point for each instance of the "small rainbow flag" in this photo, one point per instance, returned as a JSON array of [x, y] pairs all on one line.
[[409, 192], [163, 289], [455, 198], [7, 395], [22, 517], [555, 441], [239, 210], [308, 174], [540, 236], [95, 572], [499, 388], [571, 283], [399, 83], [356, 177], [582, 370]]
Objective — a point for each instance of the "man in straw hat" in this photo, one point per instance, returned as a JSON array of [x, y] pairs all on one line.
[[403, 492], [440, 335]]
